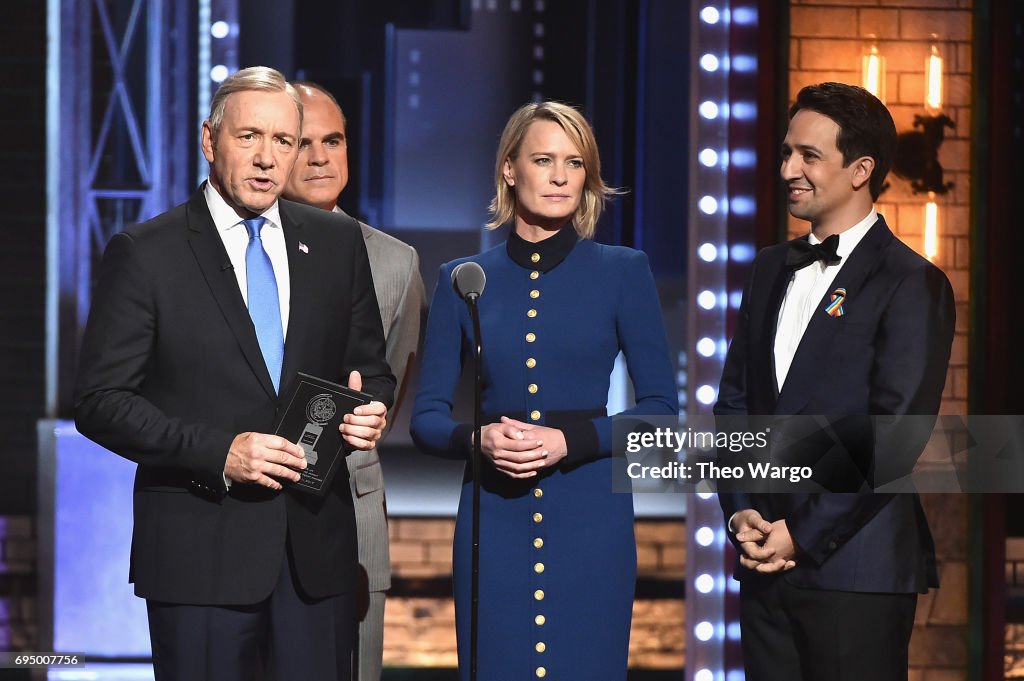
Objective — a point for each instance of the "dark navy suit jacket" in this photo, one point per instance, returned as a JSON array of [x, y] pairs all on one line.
[[886, 355], [171, 371]]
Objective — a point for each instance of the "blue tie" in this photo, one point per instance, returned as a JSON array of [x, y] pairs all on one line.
[[264, 307]]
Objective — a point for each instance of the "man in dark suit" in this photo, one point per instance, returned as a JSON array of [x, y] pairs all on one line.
[[846, 321], [319, 176], [200, 319]]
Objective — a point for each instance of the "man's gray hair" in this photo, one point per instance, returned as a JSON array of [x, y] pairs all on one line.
[[254, 78]]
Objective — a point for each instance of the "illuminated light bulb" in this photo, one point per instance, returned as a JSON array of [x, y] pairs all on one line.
[[873, 73], [705, 536], [704, 583], [710, 15], [704, 631], [708, 157], [706, 347], [931, 227], [707, 252], [933, 81], [220, 29]]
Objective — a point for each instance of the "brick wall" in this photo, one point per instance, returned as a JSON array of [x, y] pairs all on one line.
[[420, 630], [827, 40], [17, 583], [658, 636]]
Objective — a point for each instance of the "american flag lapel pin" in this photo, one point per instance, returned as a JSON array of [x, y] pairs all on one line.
[[304, 248], [835, 308]]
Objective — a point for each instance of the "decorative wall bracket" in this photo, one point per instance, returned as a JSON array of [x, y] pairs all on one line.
[[917, 154]]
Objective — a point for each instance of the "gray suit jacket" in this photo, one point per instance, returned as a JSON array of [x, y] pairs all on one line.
[[395, 267]]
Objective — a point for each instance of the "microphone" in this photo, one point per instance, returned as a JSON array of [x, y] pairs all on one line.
[[468, 280], [225, 268]]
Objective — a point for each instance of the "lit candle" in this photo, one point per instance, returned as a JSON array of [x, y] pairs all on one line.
[[873, 73], [933, 81], [931, 227]]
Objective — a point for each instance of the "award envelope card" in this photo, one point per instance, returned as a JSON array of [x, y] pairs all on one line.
[[314, 408]]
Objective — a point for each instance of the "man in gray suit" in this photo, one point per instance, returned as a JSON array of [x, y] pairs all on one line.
[[319, 175]]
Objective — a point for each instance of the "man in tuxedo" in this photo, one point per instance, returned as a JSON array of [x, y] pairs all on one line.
[[318, 178], [846, 321], [200, 320]]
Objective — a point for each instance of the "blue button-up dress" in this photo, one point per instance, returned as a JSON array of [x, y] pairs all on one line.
[[557, 551]]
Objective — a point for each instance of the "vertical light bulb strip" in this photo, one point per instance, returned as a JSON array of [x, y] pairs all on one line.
[[216, 57], [711, 251]]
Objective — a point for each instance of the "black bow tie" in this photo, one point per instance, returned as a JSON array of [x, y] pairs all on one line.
[[802, 253]]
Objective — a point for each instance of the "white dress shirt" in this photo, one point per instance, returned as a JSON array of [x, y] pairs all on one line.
[[236, 239], [806, 290]]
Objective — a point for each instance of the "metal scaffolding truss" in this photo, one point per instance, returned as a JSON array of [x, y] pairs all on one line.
[[119, 142]]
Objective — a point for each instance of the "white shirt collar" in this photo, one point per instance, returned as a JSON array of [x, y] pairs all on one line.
[[225, 217], [849, 238]]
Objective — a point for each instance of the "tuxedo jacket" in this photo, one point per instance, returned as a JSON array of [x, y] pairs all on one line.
[[395, 267], [171, 371], [886, 354]]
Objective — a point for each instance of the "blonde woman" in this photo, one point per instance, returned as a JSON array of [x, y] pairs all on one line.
[[557, 555]]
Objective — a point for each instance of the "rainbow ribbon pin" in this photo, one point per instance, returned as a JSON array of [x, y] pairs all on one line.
[[835, 308]]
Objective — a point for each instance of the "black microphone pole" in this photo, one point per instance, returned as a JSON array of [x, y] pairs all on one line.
[[478, 417], [468, 280]]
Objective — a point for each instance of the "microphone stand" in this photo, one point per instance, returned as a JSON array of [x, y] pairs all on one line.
[[474, 608]]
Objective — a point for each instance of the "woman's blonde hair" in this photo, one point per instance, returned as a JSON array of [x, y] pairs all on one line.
[[595, 191]]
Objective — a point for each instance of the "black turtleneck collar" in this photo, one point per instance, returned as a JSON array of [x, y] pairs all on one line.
[[544, 255]]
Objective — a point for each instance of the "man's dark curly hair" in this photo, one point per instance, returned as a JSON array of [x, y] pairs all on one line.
[[865, 125]]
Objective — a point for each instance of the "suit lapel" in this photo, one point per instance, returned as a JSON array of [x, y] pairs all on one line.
[[816, 345], [295, 233], [771, 324], [215, 265]]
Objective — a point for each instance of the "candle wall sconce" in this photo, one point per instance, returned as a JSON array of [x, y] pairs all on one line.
[[917, 151], [917, 154]]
